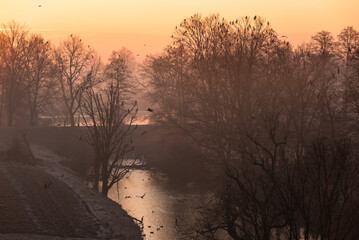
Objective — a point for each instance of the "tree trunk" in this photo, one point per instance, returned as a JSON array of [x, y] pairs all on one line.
[[10, 118], [96, 173], [2, 105], [33, 121], [72, 119], [104, 178]]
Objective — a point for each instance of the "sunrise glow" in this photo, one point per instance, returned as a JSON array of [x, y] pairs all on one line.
[[145, 26]]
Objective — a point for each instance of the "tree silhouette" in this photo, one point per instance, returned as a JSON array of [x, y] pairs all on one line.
[[110, 128], [39, 78], [77, 68], [14, 58]]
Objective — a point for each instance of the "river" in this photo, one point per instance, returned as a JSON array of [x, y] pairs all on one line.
[[146, 194]]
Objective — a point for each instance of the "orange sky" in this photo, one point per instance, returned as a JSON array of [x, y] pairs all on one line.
[[144, 26]]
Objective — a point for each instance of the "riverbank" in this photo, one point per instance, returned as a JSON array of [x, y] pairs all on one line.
[[48, 201]]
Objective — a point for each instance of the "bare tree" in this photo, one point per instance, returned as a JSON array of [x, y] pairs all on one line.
[[119, 71], [348, 41], [77, 67], [14, 57], [110, 128], [39, 78]]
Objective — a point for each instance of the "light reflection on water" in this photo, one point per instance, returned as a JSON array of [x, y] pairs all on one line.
[[160, 208]]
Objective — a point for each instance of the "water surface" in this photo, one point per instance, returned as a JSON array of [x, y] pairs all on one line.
[[146, 194]]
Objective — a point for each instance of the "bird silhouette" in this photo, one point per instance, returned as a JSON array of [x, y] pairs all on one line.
[[48, 184], [141, 196], [150, 109], [127, 197]]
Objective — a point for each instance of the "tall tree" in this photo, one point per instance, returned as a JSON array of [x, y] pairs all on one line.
[[119, 71], [110, 128], [77, 68], [39, 78], [348, 41], [14, 58]]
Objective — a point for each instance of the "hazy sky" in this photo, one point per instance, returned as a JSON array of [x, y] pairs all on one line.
[[144, 26]]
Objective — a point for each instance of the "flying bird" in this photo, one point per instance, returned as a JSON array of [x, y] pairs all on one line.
[[141, 196], [48, 184], [150, 109]]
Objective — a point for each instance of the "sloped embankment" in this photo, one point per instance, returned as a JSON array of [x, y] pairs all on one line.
[[47, 201]]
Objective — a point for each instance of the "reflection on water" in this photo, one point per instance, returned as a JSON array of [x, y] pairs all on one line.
[[146, 194]]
